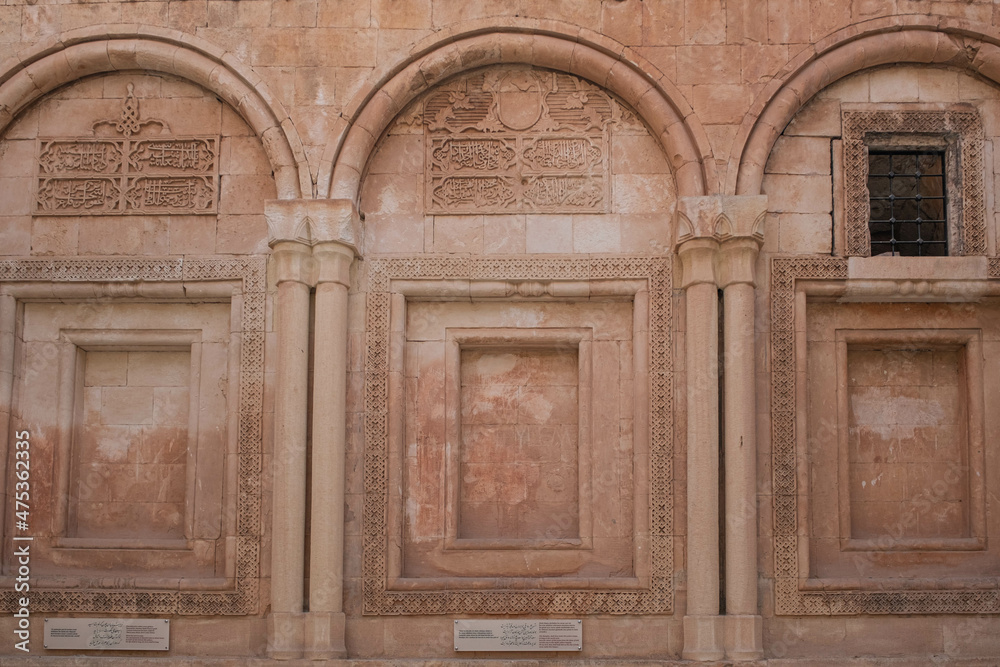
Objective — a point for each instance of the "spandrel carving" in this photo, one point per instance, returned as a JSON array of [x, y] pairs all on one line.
[[101, 176], [518, 141]]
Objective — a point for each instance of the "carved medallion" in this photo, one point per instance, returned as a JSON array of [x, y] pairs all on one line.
[[128, 175], [518, 141], [520, 101]]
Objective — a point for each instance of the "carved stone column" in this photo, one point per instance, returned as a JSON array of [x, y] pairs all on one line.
[[332, 225], [293, 265], [698, 249], [740, 231]]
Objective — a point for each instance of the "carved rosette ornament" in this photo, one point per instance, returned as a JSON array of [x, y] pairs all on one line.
[[518, 141], [159, 174]]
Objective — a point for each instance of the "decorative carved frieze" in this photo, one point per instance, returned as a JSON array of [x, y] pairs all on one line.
[[519, 141], [128, 175]]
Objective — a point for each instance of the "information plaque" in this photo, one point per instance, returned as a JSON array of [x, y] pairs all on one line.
[[107, 634], [519, 635]]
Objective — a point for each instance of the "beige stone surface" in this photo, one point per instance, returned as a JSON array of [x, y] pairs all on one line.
[[515, 475], [133, 466], [907, 461], [346, 98]]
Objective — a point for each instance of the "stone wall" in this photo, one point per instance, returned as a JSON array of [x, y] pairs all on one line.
[[334, 322]]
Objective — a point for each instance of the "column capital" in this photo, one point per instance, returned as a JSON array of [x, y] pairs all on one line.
[[731, 226], [737, 261], [698, 258], [697, 246], [312, 221], [293, 262], [721, 217], [333, 262], [744, 234]]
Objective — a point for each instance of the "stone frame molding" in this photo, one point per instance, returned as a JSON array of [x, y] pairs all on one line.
[[960, 125], [460, 339], [81, 343], [793, 596], [173, 279], [655, 595]]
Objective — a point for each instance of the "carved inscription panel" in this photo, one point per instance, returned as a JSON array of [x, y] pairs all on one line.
[[127, 174], [518, 141]]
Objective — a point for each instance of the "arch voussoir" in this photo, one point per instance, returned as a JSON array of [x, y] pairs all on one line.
[[99, 50], [663, 109], [952, 44]]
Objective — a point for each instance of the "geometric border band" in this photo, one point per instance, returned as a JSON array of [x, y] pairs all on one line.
[[657, 598], [251, 272]]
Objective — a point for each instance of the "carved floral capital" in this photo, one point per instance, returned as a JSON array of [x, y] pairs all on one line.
[[718, 238]]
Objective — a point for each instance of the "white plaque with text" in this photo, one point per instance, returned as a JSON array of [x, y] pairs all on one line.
[[519, 635], [107, 634]]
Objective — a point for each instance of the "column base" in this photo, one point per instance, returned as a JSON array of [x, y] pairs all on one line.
[[285, 635], [703, 638], [324, 635], [744, 637]]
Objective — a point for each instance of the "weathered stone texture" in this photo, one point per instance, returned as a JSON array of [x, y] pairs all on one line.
[[532, 267]]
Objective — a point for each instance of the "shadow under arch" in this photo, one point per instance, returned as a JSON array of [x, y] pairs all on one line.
[[896, 40], [99, 49], [587, 55]]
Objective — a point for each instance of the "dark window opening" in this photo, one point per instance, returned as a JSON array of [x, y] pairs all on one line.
[[908, 203]]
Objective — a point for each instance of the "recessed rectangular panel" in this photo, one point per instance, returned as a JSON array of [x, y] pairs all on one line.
[[131, 446], [429, 317], [520, 433], [907, 442]]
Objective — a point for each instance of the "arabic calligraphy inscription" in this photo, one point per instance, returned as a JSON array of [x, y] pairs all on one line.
[[128, 175], [520, 141]]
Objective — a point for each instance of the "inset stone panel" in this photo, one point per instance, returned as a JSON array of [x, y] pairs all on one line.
[[493, 482], [129, 475], [870, 381], [145, 453], [522, 400], [492, 467], [898, 413], [139, 436], [907, 444]]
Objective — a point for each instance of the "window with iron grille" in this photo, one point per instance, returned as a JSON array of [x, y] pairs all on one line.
[[913, 181], [908, 197]]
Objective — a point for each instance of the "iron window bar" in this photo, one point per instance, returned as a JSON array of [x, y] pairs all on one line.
[[908, 202]]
